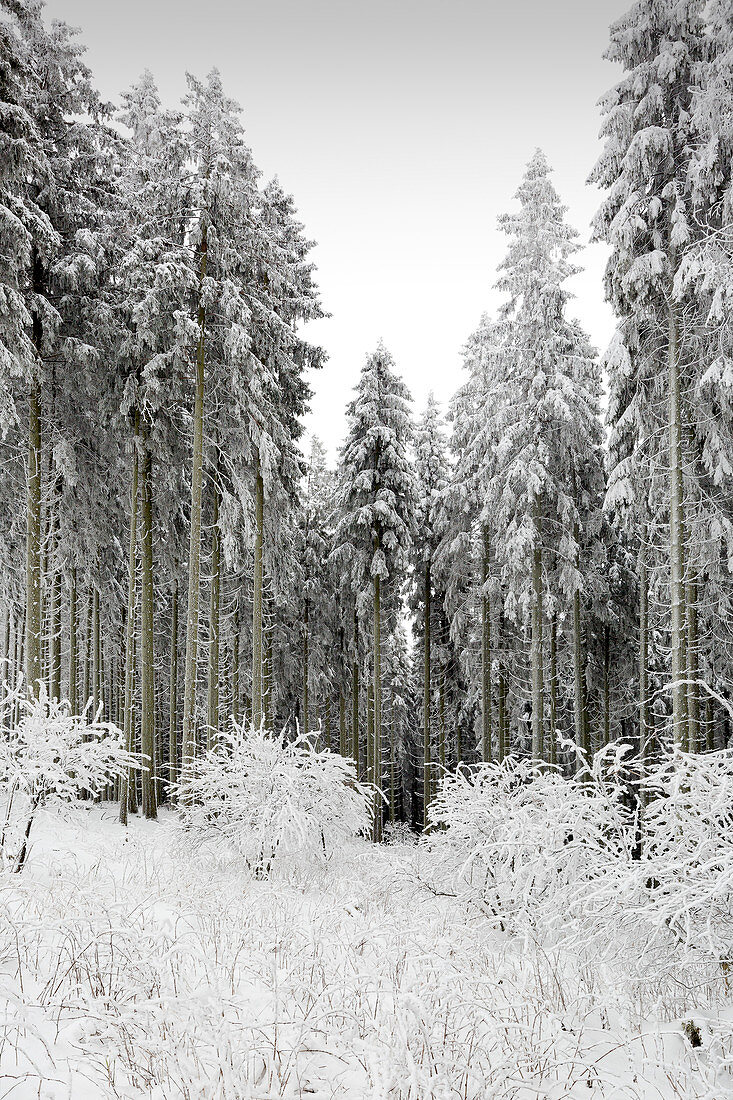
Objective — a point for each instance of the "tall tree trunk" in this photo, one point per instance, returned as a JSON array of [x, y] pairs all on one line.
[[127, 786], [268, 671], [96, 651], [441, 724], [355, 698], [536, 644], [485, 652], [214, 626], [257, 655], [677, 536], [6, 647], [391, 770], [579, 716], [552, 747], [459, 744], [645, 738], [378, 692], [370, 733], [20, 661], [342, 724], [73, 645], [54, 678], [306, 719], [88, 647], [709, 725], [194, 555], [606, 685], [427, 763], [34, 599], [147, 654], [236, 712], [502, 720], [173, 691], [503, 717], [693, 664]]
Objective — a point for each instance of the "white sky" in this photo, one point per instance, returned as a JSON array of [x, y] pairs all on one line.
[[402, 127]]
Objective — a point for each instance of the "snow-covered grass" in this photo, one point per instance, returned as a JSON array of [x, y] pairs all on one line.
[[135, 964]]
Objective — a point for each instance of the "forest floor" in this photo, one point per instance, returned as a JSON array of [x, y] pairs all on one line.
[[133, 965]]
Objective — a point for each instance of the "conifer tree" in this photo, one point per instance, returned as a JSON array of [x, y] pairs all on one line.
[[377, 500], [315, 581], [646, 219], [431, 472], [155, 284], [543, 407]]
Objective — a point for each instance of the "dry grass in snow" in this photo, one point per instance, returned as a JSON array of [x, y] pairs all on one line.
[[135, 965]]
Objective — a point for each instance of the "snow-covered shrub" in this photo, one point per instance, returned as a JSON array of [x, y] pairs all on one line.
[[686, 871], [399, 832], [273, 799], [538, 851], [50, 755]]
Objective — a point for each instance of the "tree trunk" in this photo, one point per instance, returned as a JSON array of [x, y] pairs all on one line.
[[441, 723], [88, 648], [606, 685], [709, 725], [342, 724], [19, 662], [391, 771], [147, 654], [536, 644], [34, 600], [427, 763], [127, 786], [268, 671], [173, 692], [501, 685], [503, 718], [579, 717], [677, 538], [693, 665], [378, 694], [96, 652], [355, 698], [235, 669], [370, 734], [552, 747], [73, 646], [6, 670], [485, 652], [214, 627], [257, 655], [54, 679], [194, 556], [306, 719], [645, 739]]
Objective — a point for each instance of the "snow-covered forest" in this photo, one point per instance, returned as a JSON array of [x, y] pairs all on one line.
[[406, 776]]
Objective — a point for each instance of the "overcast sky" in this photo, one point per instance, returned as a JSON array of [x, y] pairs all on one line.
[[402, 127]]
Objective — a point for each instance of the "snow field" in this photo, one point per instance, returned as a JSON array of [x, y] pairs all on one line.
[[136, 966]]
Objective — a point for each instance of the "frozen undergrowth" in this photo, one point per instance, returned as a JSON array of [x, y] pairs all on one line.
[[133, 965]]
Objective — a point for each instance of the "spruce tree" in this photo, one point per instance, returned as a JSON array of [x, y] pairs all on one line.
[[547, 477], [377, 499], [431, 472], [646, 219]]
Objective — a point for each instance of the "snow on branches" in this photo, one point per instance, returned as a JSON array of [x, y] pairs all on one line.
[[274, 800], [600, 859], [531, 846], [50, 755]]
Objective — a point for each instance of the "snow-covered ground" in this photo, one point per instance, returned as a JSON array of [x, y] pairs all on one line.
[[134, 965]]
